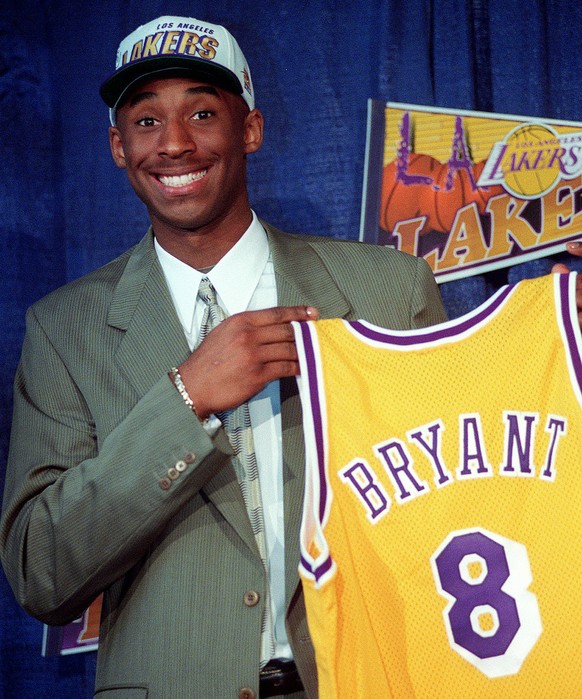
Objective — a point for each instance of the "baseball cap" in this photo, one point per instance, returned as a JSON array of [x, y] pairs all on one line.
[[178, 44]]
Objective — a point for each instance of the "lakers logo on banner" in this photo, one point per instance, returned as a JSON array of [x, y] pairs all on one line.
[[470, 191]]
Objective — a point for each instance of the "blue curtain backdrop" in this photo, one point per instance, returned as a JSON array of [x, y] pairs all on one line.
[[65, 209]]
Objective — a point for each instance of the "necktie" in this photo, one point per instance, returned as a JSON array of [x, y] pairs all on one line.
[[237, 423]]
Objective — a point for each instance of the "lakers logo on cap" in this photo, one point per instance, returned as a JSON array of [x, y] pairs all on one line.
[[172, 43]]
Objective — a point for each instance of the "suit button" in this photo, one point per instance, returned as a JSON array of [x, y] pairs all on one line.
[[181, 466], [246, 693], [190, 457], [165, 483], [173, 474], [251, 598]]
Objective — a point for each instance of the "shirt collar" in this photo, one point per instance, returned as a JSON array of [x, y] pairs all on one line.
[[235, 276]]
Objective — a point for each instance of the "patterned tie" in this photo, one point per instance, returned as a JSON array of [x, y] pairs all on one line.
[[237, 423]]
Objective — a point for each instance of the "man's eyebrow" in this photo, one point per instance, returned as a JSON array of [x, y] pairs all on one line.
[[204, 89], [198, 90]]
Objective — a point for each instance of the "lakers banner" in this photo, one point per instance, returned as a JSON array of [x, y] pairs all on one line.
[[78, 636], [470, 191]]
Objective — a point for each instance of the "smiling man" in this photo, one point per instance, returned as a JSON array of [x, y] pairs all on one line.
[[158, 459], [184, 146]]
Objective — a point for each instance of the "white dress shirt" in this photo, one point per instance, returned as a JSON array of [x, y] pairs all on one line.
[[244, 280]]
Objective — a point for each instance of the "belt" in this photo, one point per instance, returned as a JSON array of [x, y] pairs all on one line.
[[279, 677]]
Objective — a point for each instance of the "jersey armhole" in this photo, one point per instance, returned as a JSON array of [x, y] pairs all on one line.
[[565, 295], [315, 563]]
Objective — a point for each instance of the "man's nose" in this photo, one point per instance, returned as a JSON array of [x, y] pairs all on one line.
[[176, 139]]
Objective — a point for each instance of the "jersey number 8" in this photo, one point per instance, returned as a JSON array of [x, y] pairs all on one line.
[[491, 618]]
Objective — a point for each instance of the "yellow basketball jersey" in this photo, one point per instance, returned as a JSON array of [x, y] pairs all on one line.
[[441, 543]]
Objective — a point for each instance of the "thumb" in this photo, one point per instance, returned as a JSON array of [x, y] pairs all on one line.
[[560, 268]]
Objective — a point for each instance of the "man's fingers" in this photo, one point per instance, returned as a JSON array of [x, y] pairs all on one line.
[[270, 325], [241, 355], [281, 314], [277, 351], [560, 268], [270, 334], [277, 370], [575, 248]]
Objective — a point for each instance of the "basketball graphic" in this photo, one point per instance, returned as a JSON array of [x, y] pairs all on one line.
[[527, 174], [441, 204], [401, 201]]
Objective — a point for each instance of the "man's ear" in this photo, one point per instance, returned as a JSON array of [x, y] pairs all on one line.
[[116, 145], [253, 131]]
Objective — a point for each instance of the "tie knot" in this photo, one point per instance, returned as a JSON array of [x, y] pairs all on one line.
[[213, 313], [206, 292]]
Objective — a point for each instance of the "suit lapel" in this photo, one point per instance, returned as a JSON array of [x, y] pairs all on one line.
[[143, 308], [302, 279]]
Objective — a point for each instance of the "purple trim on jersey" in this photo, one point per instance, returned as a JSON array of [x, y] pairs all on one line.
[[317, 571], [306, 565], [315, 412], [314, 401], [570, 330], [437, 332]]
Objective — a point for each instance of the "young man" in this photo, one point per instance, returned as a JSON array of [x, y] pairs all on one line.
[[122, 478]]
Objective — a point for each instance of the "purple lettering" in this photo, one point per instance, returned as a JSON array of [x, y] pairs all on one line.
[[472, 448], [519, 438], [459, 159], [360, 477], [538, 159], [428, 437], [557, 155], [556, 427], [522, 163], [398, 464], [403, 153], [494, 174]]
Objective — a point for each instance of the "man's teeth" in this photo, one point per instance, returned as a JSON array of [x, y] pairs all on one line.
[[182, 180]]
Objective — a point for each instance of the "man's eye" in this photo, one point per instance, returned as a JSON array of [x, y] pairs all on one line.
[[204, 114], [146, 121]]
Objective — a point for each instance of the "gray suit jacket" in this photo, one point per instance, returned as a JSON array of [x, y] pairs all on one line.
[[93, 502]]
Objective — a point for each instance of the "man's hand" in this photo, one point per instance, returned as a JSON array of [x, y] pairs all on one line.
[[241, 355], [560, 268]]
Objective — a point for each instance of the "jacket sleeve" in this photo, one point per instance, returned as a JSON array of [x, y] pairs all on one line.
[[426, 303], [78, 513]]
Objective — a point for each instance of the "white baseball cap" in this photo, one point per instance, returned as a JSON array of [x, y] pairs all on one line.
[[178, 44]]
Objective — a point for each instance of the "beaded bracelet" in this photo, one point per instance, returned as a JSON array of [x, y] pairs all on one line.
[[179, 384]]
